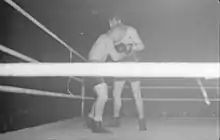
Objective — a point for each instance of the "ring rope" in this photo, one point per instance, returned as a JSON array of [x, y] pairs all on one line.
[[173, 87], [173, 70], [41, 26], [18, 90], [17, 54], [24, 57], [14, 5], [173, 99], [27, 15]]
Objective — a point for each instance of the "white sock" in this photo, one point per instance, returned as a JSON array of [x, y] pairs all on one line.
[[139, 105], [92, 112], [117, 107], [102, 97], [98, 118], [117, 91], [139, 102]]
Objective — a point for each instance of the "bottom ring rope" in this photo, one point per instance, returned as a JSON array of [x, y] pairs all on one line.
[[174, 99], [19, 90], [174, 87]]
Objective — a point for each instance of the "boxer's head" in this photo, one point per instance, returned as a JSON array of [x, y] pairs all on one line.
[[116, 33], [114, 21]]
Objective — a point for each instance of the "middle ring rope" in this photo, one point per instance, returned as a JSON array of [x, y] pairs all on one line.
[[19, 90]]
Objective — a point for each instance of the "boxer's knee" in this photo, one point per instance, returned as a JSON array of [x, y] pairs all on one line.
[[135, 84], [102, 91], [136, 89], [117, 88]]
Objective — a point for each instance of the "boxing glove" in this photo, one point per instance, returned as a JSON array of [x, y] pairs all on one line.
[[124, 48], [129, 48], [121, 48]]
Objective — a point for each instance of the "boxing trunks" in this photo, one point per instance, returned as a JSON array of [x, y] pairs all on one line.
[[93, 81], [129, 58]]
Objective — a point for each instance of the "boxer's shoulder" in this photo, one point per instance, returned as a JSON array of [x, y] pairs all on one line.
[[125, 27], [104, 38], [131, 30], [120, 27]]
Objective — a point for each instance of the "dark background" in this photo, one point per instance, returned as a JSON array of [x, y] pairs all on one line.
[[172, 30]]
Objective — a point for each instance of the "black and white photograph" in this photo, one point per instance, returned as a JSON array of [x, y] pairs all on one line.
[[109, 70]]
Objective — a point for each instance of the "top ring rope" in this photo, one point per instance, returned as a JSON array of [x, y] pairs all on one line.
[[174, 70], [23, 12]]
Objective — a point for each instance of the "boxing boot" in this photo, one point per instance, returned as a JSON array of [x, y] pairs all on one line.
[[115, 122], [142, 124], [97, 127], [88, 122]]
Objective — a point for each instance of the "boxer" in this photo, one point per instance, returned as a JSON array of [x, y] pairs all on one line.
[[100, 51], [129, 43]]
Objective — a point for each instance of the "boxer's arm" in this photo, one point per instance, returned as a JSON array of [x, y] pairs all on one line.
[[138, 43], [114, 54], [98, 50]]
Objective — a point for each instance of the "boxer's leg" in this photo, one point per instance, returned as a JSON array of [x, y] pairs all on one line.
[[91, 82], [92, 111], [117, 91], [94, 83], [94, 119], [90, 117], [102, 97], [136, 89]]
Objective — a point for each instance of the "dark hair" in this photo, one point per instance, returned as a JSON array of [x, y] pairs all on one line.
[[115, 16]]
